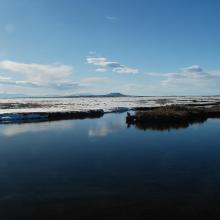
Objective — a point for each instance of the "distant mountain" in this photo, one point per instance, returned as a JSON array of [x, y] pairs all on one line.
[[115, 94]]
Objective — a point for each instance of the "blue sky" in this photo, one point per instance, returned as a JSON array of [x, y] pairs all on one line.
[[142, 47]]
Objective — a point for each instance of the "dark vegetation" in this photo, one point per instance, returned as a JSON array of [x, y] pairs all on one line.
[[74, 115], [49, 116], [173, 116]]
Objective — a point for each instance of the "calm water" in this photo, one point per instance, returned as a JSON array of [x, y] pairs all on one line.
[[100, 169]]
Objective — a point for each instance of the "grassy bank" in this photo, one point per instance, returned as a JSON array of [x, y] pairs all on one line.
[[173, 116], [48, 116]]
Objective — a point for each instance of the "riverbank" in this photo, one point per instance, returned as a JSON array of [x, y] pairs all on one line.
[[49, 116], [58, 169], [50, 109], [173, 116]]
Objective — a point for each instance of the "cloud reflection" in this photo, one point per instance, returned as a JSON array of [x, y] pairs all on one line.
[[105, 128], [16, 129]]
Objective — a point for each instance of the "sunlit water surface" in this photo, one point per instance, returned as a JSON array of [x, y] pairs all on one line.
[[100, 169]]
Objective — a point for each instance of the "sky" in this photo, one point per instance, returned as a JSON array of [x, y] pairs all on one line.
[[136, 47]]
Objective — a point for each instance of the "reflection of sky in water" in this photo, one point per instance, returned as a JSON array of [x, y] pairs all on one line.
[[63, 165], [16, 129], [112, 123], [99, 128]]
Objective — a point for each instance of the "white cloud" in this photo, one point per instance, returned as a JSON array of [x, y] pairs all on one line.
[[4, 79], [159, 74], [104, 64], [195, 71], [101, 70], [56, 76], [38, 72], [39, 79], [111, 18], [124, 69], [193, 78]]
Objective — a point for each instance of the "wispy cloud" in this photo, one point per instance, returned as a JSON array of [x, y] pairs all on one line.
[[104, 129], [111, 18], [191, 77], [38, 72], [125, 70], [10, 81], [104, 64], [54, 76], [4, 79], [101, 70]]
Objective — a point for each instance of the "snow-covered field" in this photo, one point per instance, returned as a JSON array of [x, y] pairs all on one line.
[[108, 104]]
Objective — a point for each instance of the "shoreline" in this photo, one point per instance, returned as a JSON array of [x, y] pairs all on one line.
[[48, 116], [155, 115], [173, 116]]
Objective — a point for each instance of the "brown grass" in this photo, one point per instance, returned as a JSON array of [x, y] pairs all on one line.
[[173, 116]]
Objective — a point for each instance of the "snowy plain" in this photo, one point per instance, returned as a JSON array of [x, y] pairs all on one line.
[[107, 104]]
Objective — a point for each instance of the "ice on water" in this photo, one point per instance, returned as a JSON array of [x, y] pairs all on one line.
[[108, 104]]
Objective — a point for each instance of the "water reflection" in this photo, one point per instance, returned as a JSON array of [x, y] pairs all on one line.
[[59, 170], [103, 130], [105, 127], [163, 126], [98, 128], [16, 129]]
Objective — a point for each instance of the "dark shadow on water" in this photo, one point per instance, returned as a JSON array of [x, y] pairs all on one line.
[[168, 125]]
